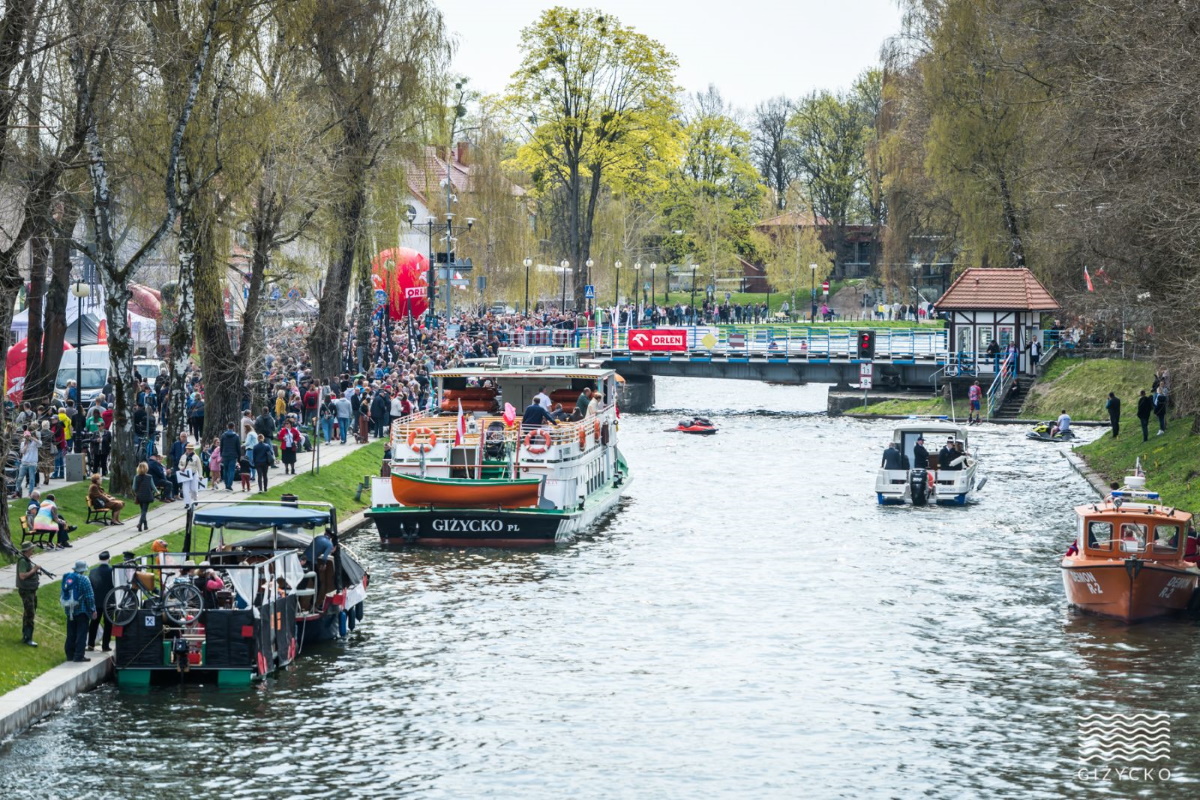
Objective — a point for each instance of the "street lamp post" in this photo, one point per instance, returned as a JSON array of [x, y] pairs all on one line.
[[587, 281], [693, 310], [528, 263], [637, 281], [80, 290], [565, 265], [617, 292], [812, 305]]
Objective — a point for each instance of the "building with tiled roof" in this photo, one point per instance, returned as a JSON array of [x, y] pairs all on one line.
[[1001, 305]]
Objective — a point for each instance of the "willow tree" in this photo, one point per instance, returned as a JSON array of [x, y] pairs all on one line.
[[598, 100], [33, 168], [112, 75], [377, 61]]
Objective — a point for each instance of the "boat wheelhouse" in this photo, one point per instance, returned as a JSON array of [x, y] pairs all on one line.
[[494, 482], [1130, 557], [263, 588], [952, 483]]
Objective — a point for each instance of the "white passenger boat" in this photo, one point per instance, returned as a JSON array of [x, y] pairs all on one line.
[[952, 483], [494, 483]]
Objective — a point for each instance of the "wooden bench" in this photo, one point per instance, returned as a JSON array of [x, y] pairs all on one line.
[[100, 515], [42, 539]]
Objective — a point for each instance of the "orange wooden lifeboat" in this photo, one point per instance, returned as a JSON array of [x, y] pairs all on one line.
[[410, 490], [1129, 560]]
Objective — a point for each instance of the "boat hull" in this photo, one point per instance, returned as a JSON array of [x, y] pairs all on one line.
[[401, 526], [410, 490], [1129, 590]]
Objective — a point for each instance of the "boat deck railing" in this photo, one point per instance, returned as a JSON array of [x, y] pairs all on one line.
[[432, 429]]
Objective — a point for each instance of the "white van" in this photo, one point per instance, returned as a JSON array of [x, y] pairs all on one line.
[[90, 364], [149, 369]]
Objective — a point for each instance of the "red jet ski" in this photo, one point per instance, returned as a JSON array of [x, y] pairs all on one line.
[[696, 425]]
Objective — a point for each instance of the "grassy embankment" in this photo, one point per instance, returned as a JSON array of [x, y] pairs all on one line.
[[923, 407], [72, 504], [20, 664], [1081, 386], [1169, 460]]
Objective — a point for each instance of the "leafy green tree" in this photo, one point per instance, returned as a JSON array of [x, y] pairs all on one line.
[[598, 100]]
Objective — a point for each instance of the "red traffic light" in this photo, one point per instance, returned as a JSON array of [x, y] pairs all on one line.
[[866, 344]]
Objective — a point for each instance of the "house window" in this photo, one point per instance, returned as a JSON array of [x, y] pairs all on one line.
[[864, 253]]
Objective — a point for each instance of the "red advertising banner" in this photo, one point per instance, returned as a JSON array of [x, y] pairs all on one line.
[[658, 339]]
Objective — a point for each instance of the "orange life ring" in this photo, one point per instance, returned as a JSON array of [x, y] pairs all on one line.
[[536, 434], [582, 438], [421, 447], [596, 430]]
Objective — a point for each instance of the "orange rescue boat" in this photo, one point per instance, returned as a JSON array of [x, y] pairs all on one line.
[[1129, 561], [411, 490]]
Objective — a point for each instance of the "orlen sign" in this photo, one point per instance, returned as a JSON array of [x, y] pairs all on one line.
[[658, 339]]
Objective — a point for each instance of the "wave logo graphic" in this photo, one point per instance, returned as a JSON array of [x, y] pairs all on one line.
[[1125, 737]]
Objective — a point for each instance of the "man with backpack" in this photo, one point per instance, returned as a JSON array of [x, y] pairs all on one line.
[[101, 577], [79, 604]]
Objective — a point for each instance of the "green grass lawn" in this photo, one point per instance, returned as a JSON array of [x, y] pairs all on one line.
[[925, 407], [1169, 460], [20, 664], [1081, 386]]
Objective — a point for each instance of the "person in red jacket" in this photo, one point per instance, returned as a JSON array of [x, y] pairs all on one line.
[[312, 400], [289, 443]]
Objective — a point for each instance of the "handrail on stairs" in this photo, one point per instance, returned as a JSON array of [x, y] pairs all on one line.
[[1001, 384]]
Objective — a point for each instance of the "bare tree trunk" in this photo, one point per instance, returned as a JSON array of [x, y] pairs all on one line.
[[224, 378], [325, 340], [185, 317], [38, 261], [55, 313], [1011, 224]]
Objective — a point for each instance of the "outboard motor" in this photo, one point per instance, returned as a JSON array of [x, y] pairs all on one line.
[[918, 486]]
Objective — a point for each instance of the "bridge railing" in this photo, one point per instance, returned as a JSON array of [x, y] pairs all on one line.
[[791, 340]]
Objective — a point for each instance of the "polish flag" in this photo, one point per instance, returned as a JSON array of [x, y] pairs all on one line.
[[460, 427], [1088, 279]]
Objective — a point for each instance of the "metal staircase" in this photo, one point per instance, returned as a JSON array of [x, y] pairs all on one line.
[[1010, 408]]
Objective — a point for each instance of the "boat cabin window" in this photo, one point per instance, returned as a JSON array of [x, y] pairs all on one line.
[[1166, 539], [1133, 537], [1099, 535]]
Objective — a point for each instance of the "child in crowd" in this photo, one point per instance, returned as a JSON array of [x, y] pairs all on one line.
[[244, 471]]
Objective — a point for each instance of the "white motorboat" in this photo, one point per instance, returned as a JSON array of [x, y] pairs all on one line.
[[934, 482]]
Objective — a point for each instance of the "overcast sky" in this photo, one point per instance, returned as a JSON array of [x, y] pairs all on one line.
[[751, 49]]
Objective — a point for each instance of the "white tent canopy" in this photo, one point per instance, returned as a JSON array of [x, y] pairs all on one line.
[[143, 329]]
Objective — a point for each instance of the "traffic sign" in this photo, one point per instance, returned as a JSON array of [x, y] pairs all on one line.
[[589, 292], [737, 340], [866, 370], [460, 281], [380, 297], [825, 287], [710, 289], [709, 341], [865, 382], [646, 286], [657, 339]]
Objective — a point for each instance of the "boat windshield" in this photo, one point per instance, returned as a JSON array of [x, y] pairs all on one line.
[[1130, 536]]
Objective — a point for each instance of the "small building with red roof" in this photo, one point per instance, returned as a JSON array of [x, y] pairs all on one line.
[[1003, 305]]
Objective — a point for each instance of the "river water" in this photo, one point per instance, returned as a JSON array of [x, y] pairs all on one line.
[[749, 624]]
